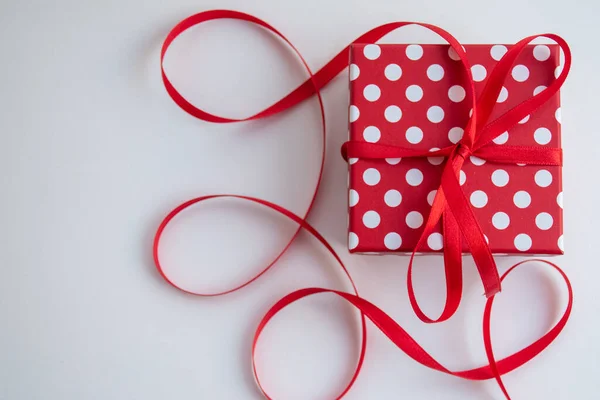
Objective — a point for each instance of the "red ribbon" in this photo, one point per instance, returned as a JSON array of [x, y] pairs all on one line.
[[449, 204]]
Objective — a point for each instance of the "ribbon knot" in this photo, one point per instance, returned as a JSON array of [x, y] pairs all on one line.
[[463, 151]]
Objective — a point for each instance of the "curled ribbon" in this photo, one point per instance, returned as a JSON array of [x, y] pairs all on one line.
[[449, 204]]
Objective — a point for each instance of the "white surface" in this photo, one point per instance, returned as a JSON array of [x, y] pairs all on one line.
[[94, 154]]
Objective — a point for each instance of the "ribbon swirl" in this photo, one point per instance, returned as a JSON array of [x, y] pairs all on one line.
[[449, 204]]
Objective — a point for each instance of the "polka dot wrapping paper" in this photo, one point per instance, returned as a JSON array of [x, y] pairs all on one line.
[[414, 96]]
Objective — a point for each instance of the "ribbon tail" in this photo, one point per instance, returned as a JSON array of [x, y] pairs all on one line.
[[471, 231], [452, 263]]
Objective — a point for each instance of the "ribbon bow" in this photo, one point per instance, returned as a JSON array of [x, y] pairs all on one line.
[[450, 203]]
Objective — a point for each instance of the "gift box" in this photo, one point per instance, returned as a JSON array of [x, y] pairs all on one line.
[[414, 96]]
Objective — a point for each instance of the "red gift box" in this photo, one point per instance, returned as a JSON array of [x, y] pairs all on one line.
[[414, 96]]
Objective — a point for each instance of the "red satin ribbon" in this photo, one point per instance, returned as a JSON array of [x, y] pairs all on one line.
[[447, 206]]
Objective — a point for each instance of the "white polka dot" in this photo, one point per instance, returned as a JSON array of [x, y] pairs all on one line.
[[500, 178], [372, 51], [557, 115], [392, 241], [503, 95], [524, 120], [353, 198], [455, 134], [393, 161], [498, 51], [352, 161], [453, 54], [561, 243], [371, 219], [414, 219], [435, 241], [543, 178], [539, 89], [354, 72], [371, 176], [372, 92], [371, 134], [544, 221], [520, 73], [414, 52], [479, 72], [486, 239], [542, 135], [414, 93], [558, 71], [522, 242], [352, 240], [414, 134], [500, 220], [435, 160], [470, 113], [462, 177], [435, 114], [541, 52], [501, 139], [456, 93], [479, 199], [559, 199], [522, 199], [393, 72], [414, 177], [435, 72], [477, 161], [393, 114], [431, 197], [521, 165], [354, 113], [392, 198]]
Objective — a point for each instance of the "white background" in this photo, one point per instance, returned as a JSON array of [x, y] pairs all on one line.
[[94, 153]]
